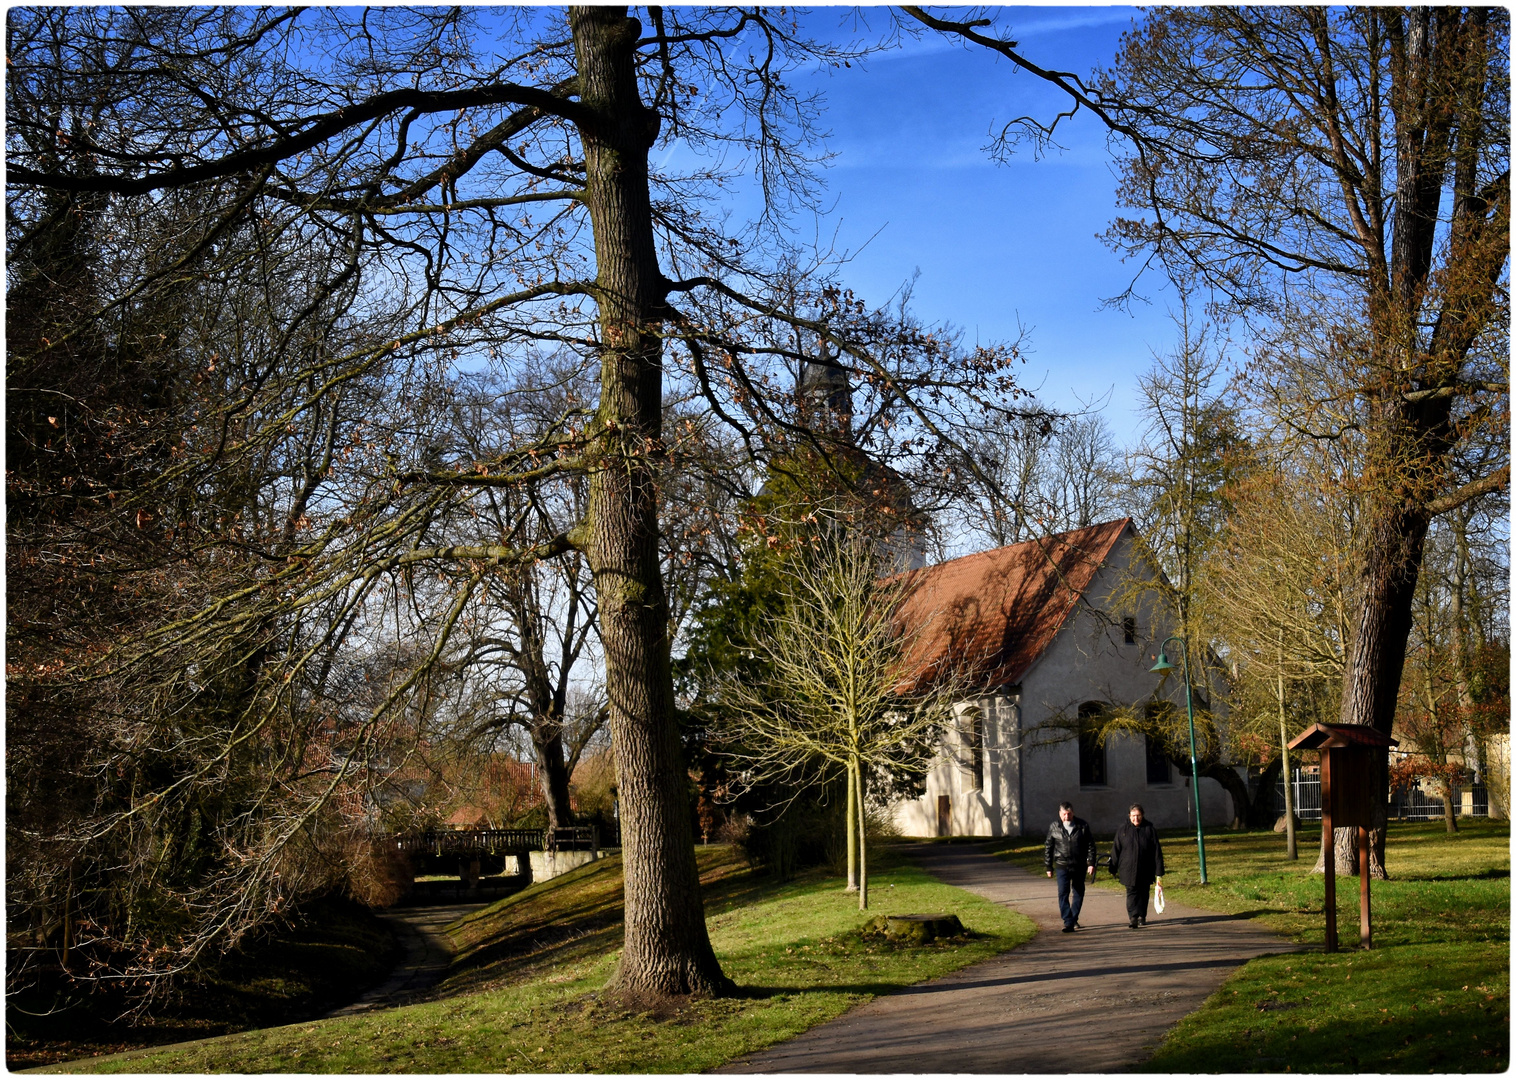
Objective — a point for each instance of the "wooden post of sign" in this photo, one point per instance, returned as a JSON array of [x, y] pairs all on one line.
[[1349, 754], [1365, 935], [1328, 851]]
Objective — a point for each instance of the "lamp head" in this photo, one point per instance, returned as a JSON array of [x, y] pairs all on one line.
[[1163, 666]]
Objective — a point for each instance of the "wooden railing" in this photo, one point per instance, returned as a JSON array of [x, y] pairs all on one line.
[[574, 838], [468, 841]]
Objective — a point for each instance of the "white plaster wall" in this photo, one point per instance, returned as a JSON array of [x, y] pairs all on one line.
[[550, 864], [1497, 775], [1090, 661], [990, 810]]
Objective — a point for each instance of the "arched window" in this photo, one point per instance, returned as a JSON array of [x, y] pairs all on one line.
[[1160, 771], [976, 746], [1091, 751], [971, 725]]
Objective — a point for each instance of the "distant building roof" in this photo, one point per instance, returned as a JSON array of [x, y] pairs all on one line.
[[467, 817], [997, 611]]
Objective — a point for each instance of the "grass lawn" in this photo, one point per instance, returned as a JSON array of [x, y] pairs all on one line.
[[523, 995], [1433, 995]]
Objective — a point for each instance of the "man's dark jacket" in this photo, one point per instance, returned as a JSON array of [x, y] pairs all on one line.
[[1073, 850], [1136, 855]]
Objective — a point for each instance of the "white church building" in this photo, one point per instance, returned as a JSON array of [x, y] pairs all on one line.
[[1049, 627]]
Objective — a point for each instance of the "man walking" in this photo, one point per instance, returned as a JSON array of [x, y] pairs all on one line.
[[1070, 851]]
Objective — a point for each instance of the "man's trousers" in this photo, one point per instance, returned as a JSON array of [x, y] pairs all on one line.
[[1070, 892]]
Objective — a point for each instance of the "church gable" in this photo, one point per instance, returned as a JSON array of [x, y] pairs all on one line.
[[996, 612]]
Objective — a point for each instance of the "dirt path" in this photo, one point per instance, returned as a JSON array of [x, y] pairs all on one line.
[[1097, 1000], [424, 961]]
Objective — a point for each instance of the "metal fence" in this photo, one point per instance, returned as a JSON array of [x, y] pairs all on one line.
[[1412, 805]]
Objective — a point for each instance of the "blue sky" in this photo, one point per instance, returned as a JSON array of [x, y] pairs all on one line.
[[998, 246]]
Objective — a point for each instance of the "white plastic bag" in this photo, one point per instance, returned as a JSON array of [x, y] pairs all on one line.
[[1158, 899]]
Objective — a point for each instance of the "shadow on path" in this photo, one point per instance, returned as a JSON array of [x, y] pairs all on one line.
[[424, 961], [1098, 1000]]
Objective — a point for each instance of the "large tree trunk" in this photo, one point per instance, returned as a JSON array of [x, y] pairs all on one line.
[[1376, 656], [1409, 432], [1261, 808], [667, 950], [1235, 786], [552, 770]]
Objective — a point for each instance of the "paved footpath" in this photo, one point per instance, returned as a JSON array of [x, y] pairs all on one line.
[[1097, 1000]]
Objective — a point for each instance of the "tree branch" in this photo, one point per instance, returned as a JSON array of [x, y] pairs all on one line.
[[1470, 491], [317, 130]]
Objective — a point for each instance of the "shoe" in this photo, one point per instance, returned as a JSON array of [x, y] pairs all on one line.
[[1068, 928], [1142, 922], [1132, 925]]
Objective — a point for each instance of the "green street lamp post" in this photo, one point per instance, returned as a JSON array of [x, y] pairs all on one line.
[[1164, 667]]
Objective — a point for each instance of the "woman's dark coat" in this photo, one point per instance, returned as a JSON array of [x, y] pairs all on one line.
[[1136, 856]]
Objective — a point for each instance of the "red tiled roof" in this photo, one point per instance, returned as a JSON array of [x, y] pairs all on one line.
[[998, 610]]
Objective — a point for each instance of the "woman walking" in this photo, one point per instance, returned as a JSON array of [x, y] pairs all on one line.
[[1137, 860]]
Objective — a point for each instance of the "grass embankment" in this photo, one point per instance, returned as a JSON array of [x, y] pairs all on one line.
[[335, 951], [525, 995], [1432, 995]]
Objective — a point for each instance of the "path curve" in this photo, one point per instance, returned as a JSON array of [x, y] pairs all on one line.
[[425, 959], [1097, 1000]]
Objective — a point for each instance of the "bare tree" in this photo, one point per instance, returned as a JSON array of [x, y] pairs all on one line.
[[842, 692], [1191, 451], [527, 650], [1442, 720], [1051, 473], [1353, 162], [1330, 149], [1276, 592], [429, 190]]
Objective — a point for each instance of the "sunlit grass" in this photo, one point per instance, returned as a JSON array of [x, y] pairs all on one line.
[[1432, 995], [524, 993]]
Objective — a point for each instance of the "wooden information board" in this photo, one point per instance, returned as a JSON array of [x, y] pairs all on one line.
[[1352, 758]]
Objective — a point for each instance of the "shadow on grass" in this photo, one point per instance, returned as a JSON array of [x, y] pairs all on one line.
[[546, 928], [747, 992], [954, 982], [1238, 916], [738, 891], [547, 946], [1345, 1045], [1494, 874]]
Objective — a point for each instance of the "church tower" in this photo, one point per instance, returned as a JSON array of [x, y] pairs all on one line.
[[824, 405], [825, 396]]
